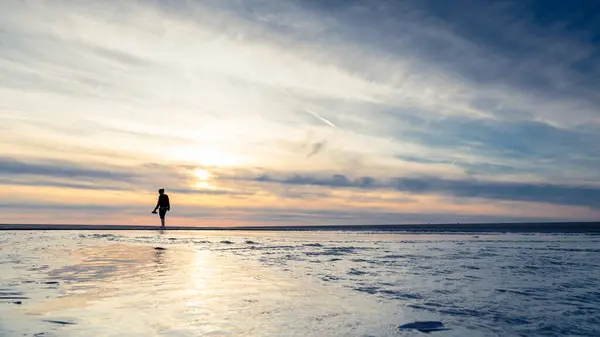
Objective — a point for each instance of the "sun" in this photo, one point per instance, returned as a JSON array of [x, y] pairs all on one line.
[[202, 174], [203, 179]]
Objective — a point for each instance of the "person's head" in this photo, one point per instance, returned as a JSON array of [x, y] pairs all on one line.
[[161, 191]]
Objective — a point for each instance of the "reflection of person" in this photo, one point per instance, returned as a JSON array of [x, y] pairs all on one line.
[[163, 205], [159, 257]]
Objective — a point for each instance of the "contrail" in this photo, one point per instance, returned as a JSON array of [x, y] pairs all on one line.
[[316, 115], [328, 122]]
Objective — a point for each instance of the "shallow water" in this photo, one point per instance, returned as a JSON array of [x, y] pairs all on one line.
[[288, 283]]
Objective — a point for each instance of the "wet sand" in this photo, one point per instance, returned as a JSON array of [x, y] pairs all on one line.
[[85, 287], [296, 283]]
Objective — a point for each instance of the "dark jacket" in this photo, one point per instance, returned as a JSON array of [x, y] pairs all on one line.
[[163, 201]]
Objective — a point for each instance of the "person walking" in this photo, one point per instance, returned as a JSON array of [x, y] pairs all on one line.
[[163, 205]]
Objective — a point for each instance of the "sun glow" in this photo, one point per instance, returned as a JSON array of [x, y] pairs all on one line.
[[203, 179], [202, 174], [206, 156]]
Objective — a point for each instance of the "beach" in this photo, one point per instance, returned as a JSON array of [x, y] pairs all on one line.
[[296, 283]]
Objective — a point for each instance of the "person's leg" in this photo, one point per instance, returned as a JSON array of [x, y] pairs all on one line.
[[162, 213]]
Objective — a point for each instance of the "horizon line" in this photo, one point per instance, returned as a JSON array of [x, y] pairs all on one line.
[[564, 226]]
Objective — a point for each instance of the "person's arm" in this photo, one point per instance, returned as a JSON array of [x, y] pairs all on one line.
[[168, 203]]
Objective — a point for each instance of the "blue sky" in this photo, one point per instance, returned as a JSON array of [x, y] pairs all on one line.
[[300, 112]]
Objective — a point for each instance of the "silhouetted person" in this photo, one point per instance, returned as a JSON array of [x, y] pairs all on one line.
[[163, 205]]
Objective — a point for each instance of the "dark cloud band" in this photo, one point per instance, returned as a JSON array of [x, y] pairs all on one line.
[[512, 191]]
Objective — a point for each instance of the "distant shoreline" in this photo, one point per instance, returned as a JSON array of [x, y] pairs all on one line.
[[539, 227]]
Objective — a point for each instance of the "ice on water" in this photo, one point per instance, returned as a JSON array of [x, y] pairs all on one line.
[[307, 283]]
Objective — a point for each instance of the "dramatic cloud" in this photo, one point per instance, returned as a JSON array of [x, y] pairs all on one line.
[[13, 167], [537, 192], [365, 107]]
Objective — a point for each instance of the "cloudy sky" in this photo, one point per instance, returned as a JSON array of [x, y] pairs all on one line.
[[273, 112]]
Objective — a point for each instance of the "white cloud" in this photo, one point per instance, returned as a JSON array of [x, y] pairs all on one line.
[[213, 78]]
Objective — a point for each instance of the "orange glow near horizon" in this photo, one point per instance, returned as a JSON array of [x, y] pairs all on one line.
[[75, 206]]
